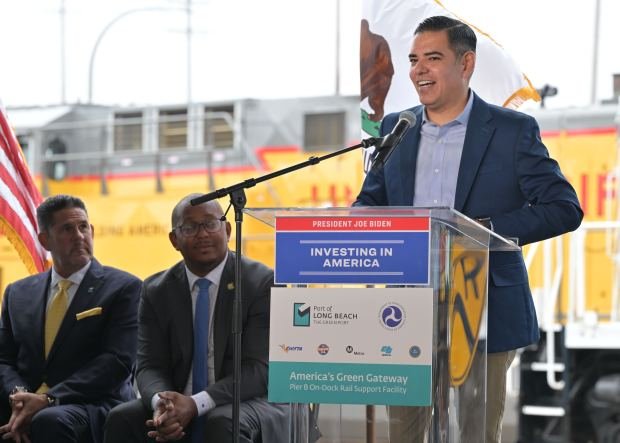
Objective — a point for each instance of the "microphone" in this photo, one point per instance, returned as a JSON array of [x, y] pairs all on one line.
[[386, 145]]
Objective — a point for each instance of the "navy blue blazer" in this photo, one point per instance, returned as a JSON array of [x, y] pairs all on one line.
[[91, 360], [505, 174]]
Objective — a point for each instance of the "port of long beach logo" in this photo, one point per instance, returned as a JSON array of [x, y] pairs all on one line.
[[392, 316], [305, 314], [301, 314]]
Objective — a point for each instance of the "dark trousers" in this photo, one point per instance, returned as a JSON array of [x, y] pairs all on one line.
[[127, 423], [58, 424]]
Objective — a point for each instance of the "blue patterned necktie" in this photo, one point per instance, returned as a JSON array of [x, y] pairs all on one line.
[[201, 351]]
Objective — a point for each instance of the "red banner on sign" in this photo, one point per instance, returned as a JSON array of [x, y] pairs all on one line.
[[352, 224]]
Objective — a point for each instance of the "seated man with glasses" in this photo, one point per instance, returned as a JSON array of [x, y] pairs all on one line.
[[185, 343]]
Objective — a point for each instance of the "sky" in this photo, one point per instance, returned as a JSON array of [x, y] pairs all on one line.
[[267, 48]]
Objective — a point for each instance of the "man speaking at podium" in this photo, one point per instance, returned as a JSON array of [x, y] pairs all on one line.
[[488, 163]]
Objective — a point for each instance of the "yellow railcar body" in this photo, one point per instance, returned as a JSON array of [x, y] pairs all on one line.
[[132, 221], [588, 158]]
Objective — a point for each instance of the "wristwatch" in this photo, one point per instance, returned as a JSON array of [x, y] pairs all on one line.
[[51, 401]]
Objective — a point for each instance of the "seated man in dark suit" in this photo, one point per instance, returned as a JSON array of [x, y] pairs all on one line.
[[185, 343], [67, 336]]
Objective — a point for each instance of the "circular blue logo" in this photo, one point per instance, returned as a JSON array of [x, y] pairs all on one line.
[[392, 316], [415, 351]]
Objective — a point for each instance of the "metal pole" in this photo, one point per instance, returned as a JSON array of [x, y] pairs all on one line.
[[100, 37], [238, 200], [63, 60], [337, 89], [597, 17], [189, 51]]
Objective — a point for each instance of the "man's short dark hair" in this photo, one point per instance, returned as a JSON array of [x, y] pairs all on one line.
[[177, 212], [460, 36], [51, 205]]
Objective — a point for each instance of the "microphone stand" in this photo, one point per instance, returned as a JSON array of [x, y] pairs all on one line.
[[237, 201]]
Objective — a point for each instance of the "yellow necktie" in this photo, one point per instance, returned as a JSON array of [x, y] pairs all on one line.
[[56, 313]]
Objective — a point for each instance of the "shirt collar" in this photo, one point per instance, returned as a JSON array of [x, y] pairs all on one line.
[[75, 278], [462, 118], [213, 276]]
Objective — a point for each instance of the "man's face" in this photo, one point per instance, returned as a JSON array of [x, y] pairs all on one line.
[[69, 240], [201, 238], [438, 75]]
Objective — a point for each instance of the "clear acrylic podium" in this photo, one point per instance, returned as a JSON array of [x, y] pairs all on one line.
[[458, 265]]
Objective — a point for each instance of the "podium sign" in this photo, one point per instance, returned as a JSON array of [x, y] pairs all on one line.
[[353, 249], [345, 345], [334, 344]]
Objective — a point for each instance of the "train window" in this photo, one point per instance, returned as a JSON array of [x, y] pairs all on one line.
[[56, 169], [218, 127], [324, 132], [23, 142], [173, 128], [128, 131]]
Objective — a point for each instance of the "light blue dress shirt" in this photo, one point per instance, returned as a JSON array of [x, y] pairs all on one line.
[[439, 157]]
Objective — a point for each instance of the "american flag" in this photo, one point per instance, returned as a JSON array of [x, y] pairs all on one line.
[[19, 199]]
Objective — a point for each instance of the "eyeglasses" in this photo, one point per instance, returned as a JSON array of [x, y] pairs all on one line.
[[191, 229]]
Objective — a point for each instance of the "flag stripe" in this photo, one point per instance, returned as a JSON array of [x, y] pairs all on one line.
[[9, 176], [19, 198], [10, 146], [13, 212]]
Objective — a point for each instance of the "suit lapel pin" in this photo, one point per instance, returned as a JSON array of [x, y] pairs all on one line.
[[91, 289], [230, 286]]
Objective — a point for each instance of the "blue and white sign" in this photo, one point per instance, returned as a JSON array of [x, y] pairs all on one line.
[[351, 346], [358, 250]]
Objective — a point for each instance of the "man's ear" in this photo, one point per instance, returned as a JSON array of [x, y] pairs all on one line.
[[468, 62], [228, 230], [173, 239], [92, 231], [44, 240]]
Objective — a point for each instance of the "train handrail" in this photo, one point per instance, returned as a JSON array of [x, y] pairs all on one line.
[[552, 293]]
